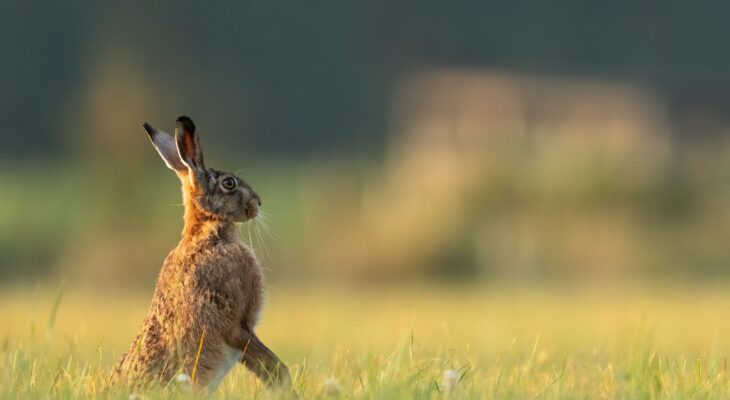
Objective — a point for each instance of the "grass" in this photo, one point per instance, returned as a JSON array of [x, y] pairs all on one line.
[[421, 342]]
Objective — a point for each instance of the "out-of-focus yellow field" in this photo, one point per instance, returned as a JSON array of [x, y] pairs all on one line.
[[502, 341]]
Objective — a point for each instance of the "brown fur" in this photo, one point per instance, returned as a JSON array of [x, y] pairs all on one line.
[[210, 288]]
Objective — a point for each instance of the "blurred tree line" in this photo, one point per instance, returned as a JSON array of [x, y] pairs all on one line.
[[315, 77]]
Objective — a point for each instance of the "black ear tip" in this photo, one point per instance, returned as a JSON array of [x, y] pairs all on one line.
[[186, 123], [147, 127]]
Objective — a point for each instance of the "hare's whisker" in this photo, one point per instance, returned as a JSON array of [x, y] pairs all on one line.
[[263, 244], [267, 212], [265, 221], [262, 220], [250, 240]]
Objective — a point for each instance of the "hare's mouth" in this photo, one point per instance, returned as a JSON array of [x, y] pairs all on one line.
[[252, 209], [252, 213]]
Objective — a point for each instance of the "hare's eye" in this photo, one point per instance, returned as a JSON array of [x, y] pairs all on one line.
[[228, 183]]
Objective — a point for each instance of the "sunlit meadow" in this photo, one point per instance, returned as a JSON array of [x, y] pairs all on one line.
[[424, 342]]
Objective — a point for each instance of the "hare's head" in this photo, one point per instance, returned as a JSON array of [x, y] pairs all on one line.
[[209, 194]]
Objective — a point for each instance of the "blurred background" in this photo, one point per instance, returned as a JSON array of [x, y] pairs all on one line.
[[487, 180], [392, 142]]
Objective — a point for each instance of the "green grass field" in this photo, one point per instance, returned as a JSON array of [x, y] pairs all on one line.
[[425, 342]]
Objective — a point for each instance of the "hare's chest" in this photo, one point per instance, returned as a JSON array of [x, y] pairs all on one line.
[[242, 272], [242, 265], [249, 278]]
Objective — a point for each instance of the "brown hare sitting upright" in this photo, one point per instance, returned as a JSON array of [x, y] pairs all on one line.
[[209, 291]]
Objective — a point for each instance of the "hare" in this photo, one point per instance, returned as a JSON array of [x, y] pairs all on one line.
[[209, 292]]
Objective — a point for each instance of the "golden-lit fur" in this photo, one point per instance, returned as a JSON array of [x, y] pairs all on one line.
[[210, 290]]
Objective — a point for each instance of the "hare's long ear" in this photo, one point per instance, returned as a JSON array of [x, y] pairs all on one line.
[[165, 145], [188, 147]]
